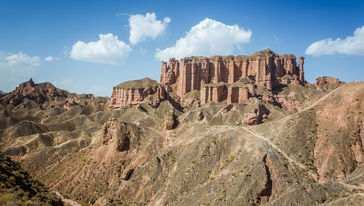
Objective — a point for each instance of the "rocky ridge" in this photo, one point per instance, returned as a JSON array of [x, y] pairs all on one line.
[[280, 146]]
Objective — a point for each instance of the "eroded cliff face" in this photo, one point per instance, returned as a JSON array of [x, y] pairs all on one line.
[[264, 68], [43, 96], [243, 139], [218, 78], [135, 92], [249, 153]]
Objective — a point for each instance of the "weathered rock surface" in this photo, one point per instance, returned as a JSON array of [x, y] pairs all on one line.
[[256, 115], [327, 83], [135, 92], [121, 133], [264, 68], [170, 120], [201, 80], [307, 153], [32, 95]]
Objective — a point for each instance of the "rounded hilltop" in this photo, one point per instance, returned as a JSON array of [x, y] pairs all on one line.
[[137, 84]]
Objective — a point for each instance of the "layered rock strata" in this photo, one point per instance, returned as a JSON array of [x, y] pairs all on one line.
[[215, 76], [135, 92], [218, 78]]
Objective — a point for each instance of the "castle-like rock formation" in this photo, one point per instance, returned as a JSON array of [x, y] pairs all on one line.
[[218, 78], [231, 77]]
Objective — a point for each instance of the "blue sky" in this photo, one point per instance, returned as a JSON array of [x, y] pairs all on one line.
[[31, 31]]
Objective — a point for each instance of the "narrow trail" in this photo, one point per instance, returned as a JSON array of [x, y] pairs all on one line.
[[67, 201], [313, 175], [321, 99], [290, 160]]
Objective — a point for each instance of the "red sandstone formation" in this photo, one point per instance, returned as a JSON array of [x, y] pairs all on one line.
[[69, 103], [39, 93], [215, 76], [170, 121], [327, 83], [137, 91], [326, 80], [218, 78], [256, 115]]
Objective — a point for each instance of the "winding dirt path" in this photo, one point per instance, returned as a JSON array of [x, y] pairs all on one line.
[[313, 175], [290, 160], [321, 99], [67, 201]]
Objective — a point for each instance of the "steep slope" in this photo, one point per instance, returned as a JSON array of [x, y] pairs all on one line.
[[209, 156], [18, 188]]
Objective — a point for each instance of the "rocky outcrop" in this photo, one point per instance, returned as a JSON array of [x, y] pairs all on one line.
[[327, 83], [218, 78], [170, 121], [31, 95], [69, 103], [265, 68], [200, 116], [39, 93], [256, 115], [121, 134], [137, 91]]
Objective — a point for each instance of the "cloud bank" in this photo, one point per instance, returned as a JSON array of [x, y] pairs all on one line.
[[49, 59], [22, 60], [351, 45], [107, 50], [207, 38], [143, 27]]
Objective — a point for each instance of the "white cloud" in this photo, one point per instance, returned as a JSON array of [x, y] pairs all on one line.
[[49, 59], [142, 27], [107, 50], [22, 60], [351, 45], [207, 38]]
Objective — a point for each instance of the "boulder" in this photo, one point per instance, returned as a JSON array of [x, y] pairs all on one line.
[[256, 115], [200, 116], [170, 121]]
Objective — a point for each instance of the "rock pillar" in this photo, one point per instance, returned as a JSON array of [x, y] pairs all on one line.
[[251, 89], [215, 96], [243, 94], [301, 75], [217, 71], [230, 95], [194, 77], [231, 76]]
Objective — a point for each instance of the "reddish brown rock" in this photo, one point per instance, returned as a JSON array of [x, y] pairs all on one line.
[[119, 133], [137, 91], [38, 93], [265, 68], [200, 116], [70, 102], [256, 115], [170, 121], [327, 83]]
